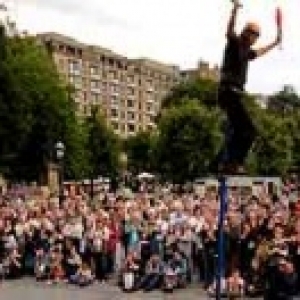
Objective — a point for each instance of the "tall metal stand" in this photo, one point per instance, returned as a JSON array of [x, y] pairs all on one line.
[[223, 189]]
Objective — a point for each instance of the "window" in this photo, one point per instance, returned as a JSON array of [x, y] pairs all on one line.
[[130, 91], [130, 103], [78, 95], [149, 108], [119, 64], [76, 81], [114, 113], [130, 79], [75, 67], [95, 84], [114, 88], [72, 79], [111, 61], [114, 101], [95, 98], [130, 116], [115, 125], [94, 70], [131, 128]]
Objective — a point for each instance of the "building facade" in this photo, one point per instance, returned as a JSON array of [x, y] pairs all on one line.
[[128, 91], [202, 71]]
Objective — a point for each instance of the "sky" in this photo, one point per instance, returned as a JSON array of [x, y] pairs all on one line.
[[179, 32]]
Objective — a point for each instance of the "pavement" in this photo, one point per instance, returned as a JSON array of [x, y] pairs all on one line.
[[28, 289]]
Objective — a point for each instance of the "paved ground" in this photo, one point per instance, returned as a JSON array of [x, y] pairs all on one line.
[[29, 290]]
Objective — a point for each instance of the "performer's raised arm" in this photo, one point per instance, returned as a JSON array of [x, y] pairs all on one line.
[[263, 50], [231, 24]]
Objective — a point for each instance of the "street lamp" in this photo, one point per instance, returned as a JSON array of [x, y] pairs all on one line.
[[124, 162], [60, 153]]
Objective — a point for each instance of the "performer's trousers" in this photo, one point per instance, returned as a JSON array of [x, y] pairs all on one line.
[[241, 131]]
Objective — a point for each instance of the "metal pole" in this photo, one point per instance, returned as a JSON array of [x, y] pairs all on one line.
[[220, 254], [61, 183], [92, 188]]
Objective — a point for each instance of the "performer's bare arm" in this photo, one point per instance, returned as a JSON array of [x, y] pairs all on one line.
[[232, 20], [263, 50]]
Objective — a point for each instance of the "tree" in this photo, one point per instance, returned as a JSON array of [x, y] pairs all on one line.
[[139, 149], [204, 90], [293, 125], [285, 101], [35, 112], [272, 153], [103, 146], [188, 140]]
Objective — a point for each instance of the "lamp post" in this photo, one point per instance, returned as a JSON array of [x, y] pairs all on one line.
[[123, 161], [60, 153]]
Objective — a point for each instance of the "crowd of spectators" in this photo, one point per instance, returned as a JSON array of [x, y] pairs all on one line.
[[154, 241]]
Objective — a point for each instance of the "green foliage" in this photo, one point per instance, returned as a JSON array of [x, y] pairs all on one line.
[[189, 137], [139, 149], [204, 90], [272, 152], [285, 101], [103, 146], [35, 112], [293, 125]]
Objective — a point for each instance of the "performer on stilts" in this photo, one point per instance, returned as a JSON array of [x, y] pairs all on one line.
[[238, 53]]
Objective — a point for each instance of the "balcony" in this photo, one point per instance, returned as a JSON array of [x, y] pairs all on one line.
[[96, 90], [150, 100], [150, 89], [96, 76], [77, 70], [114, 81], [131, 84]]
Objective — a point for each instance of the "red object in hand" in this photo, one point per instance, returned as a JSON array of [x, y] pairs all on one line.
[[278, 17]]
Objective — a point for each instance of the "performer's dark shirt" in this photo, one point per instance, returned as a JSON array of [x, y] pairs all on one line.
[[235, 62]]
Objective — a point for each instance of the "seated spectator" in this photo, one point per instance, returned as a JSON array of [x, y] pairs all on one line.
[[72, 262], [130, 272], [175, 272], [41, 265], [281, 280], [254, 283], [83, 276], [153, 274], [56, 271], [180, 269], [13, 264], [235, 285], [170, 279]]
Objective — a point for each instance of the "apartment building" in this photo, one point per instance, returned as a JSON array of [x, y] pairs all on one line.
[[128, 91]]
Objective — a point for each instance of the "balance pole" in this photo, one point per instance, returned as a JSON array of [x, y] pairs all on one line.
[[223, 191]]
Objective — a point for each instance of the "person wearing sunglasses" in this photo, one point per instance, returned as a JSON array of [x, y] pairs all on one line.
[[238, 53]]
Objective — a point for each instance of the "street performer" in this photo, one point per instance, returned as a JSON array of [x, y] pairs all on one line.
[[238, 53]]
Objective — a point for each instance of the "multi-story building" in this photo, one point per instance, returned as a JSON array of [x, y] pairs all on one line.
[[202, 71], [128, 91]]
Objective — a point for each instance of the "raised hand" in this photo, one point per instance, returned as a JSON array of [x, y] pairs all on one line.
[[236, 4]]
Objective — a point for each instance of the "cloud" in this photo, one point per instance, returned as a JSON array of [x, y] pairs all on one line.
[[81, 10]]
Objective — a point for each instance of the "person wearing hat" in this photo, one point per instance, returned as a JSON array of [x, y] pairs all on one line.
[[238, 52]]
